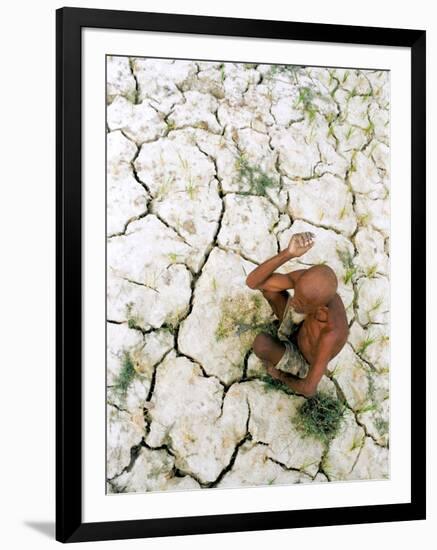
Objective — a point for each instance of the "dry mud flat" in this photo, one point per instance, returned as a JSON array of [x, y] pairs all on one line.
[[211, 168]]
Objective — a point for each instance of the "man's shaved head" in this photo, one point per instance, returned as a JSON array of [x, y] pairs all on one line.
[[317, 286]]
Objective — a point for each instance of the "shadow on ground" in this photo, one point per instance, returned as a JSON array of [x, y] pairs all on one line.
[[47, 528]]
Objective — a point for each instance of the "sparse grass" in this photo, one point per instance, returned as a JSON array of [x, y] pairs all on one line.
[[214, 284], [342, 212], [363, 219], [164, 188], [191, 190], [222, 72], [256, 179], [369, 130], [352, 94], [381, 425], [169, 327], [376, 305], [371, 388], [349, 133], [126, 374], [367, 408], [320, 417], [290, 70], [371, 271], [305, 100], [242, 316], [305, 96], [132, 321], [332, 77], [366, 96], [170, 125], [365, 344], [330, 117], [271, 384], [173, 257], [222, 331], [346, 259], [353, 166], [384, 339], [356, 443], [184, 162], [131, 96]]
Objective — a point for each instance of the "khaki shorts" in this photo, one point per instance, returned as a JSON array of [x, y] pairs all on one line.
[[292, 361]]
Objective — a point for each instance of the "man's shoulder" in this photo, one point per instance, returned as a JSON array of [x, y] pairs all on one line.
[[337, 328], [336, 307], [337, 318]]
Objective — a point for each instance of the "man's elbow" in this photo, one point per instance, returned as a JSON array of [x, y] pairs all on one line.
[[251, 283]]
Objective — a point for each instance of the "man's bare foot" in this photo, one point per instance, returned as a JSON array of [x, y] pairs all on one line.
[[292, 382], [274, 372]]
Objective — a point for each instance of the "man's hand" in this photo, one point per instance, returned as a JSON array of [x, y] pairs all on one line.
[[300, 243]]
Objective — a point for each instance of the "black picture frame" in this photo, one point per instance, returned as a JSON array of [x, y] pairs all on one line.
[[69, 524]]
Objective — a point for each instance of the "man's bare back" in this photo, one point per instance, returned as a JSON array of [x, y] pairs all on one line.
[[324, 330], [315, 325]]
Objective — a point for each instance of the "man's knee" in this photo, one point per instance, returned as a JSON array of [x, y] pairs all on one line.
[[262, 345]]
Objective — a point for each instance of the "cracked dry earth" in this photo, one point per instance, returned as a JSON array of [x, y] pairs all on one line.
[[211, 168]]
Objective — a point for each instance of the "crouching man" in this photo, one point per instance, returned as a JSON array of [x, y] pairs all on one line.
[[300, 354]]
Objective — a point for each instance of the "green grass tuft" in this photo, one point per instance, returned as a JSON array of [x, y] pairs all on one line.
[[376, 305], [256, 179], [384, 339], [320, 417], [369, 130], [191, 189], [371, 271], [352, 93], [363, 219], [305, 100], [365, 344], [290, 70], [171, 125], [126, 374], [381, 425], [222, 72], [346, 259], [371, 388], [173, 257], [132, 321]]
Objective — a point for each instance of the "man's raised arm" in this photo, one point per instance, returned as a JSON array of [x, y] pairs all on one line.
[[264, 278]]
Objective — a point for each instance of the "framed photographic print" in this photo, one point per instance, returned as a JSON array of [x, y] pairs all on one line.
[[240, 255]]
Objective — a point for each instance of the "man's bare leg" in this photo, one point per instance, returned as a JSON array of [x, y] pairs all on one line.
[[268, 349]]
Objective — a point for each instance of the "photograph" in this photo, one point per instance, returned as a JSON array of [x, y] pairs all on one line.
[[247, 274]]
